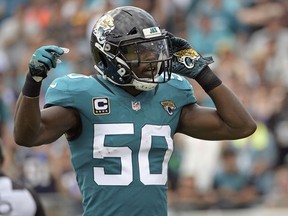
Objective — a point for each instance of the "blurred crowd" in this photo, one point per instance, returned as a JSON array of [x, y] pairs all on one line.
[[248, 40]]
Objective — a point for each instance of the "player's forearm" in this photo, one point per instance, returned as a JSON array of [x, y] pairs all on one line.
[[229, 108], [232, 111], [27, 121]]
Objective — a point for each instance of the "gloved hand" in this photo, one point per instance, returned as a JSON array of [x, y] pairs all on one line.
[[186, 61], [45, 58]]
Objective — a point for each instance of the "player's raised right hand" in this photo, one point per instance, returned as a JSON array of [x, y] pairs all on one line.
[[43, 59]]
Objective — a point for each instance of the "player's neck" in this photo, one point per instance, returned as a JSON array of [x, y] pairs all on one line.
[[131, 90]]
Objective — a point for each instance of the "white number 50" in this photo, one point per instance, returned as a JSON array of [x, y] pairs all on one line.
[[125, 154]]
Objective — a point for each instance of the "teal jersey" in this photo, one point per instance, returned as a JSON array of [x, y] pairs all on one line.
[[121, 156]]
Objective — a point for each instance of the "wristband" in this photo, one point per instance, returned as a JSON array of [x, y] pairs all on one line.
[[31, 88], [207, 79]]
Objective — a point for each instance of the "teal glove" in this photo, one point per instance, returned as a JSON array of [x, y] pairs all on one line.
[[44, 58], [186, 61]]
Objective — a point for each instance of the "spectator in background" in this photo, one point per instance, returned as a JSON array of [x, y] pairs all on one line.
[[3, 116], [209, 24], [231, 67], [36, 169], [256, 156], [258, 147], [255, 13], [278, 197], [262, 178], [205, 30], [232, 187], [271, 41], [278, 124], [15, 199]]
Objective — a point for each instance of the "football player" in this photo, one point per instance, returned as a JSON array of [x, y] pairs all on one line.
[[121, 121], [15, 198]]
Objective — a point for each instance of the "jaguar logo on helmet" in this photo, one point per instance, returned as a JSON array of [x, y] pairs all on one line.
[[104, 26]]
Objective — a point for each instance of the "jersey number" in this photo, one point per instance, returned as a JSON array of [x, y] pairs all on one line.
[[125, 154]]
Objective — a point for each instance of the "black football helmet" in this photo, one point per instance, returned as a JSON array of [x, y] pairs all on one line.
[[127, 38]]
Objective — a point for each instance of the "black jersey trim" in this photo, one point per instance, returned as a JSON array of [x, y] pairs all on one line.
[[103, 84]]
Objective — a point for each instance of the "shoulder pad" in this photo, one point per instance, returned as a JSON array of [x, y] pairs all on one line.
[[179, 82], [71, 81]]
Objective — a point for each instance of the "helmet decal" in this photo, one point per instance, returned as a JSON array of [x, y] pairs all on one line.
[[104, 26], [151, 32]]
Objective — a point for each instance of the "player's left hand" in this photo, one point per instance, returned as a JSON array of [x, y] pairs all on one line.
[[187, 61], [43, 59]]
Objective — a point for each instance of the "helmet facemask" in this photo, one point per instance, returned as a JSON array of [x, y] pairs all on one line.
[[147, 62]]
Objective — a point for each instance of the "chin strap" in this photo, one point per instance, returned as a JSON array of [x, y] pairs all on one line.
[[143, 86], [139, 85]]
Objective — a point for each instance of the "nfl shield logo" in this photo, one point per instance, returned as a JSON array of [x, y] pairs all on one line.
[[136, 105]]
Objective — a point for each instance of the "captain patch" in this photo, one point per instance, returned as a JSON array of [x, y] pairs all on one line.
[[101, 106]]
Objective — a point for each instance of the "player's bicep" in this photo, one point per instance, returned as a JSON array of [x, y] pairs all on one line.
[[202, 122], [56, 121]]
